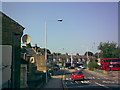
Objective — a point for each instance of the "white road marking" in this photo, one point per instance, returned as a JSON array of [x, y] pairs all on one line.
[[72, 83], [106, 78], [93, 77], [104, 81], [101, 85], [85, 81], [116, 81], [76, 82], [90, 77], [82, 82], [109, 82], [98, 78], [66, 78]]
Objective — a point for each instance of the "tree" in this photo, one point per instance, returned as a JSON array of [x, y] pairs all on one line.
[[93, 65], [109, 50], [77, 54], [97, 55], [89, 53]]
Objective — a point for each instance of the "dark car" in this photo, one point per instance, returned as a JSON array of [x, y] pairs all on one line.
[[71, 67]]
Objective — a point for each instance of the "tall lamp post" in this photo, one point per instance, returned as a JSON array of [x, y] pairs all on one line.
[[46, 44]]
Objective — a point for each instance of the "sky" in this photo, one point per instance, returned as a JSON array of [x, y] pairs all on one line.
[[84, 25]]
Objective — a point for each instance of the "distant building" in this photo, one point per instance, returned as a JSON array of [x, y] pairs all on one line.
[[34, 67], [41, 63], [40, 58], [11, 35], [76, 59]]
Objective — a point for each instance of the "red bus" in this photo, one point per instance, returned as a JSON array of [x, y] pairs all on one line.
[[110, 64]]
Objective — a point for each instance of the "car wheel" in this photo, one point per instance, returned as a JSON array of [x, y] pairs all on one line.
[[83, 79], [73, 80]]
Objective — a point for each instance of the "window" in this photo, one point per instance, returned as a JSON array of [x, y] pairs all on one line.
[[112, 60], [76, 73], [115, 60], [116, 65]]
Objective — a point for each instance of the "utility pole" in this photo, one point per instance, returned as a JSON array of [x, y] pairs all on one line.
[[46, 45], [87, 59], [71, 60]]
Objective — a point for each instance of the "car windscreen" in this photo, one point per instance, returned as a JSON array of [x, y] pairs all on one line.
[[76, 73]]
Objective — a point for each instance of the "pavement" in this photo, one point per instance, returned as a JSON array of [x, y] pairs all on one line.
[[55, 82]]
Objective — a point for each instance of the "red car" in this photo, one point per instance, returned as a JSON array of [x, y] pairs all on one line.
[[77, 75]]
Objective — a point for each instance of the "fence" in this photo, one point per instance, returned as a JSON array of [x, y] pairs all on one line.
[[37, 80]]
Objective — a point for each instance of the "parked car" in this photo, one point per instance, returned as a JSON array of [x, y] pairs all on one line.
[[77, 75], [56, 68], [71, 67], [80, 68]]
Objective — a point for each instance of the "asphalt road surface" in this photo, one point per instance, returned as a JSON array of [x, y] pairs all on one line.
[[91, 81]]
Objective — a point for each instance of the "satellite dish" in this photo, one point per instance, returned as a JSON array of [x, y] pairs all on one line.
[[26, 39]]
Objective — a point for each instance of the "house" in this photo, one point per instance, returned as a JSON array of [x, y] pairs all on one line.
[[11, 35], [29, 55], [40, 58], [6, 62], [30, 71]]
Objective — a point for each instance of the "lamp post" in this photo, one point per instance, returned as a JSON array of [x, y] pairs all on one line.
[[46, 43], [87, 60], [71, 59]]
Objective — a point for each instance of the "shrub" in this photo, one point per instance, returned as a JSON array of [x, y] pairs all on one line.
[[93, 65]]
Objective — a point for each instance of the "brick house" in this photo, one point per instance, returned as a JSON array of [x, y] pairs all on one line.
[[11, 35]]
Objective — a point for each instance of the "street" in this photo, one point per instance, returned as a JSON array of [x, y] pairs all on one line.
[[91, 81]]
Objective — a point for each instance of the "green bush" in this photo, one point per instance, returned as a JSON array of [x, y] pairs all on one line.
[[93, 65]]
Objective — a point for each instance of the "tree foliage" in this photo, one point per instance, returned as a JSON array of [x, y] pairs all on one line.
[[109, 50], [93, 65], [89, 53], [96, 55]]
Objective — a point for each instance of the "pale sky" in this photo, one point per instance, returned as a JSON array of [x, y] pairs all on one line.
[[84, 26]]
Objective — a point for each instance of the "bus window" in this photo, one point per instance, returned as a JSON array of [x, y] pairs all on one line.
[[116, 65]]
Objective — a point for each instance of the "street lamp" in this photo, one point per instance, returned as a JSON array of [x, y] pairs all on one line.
[[71, 59], [87, 59], [46, 43]]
